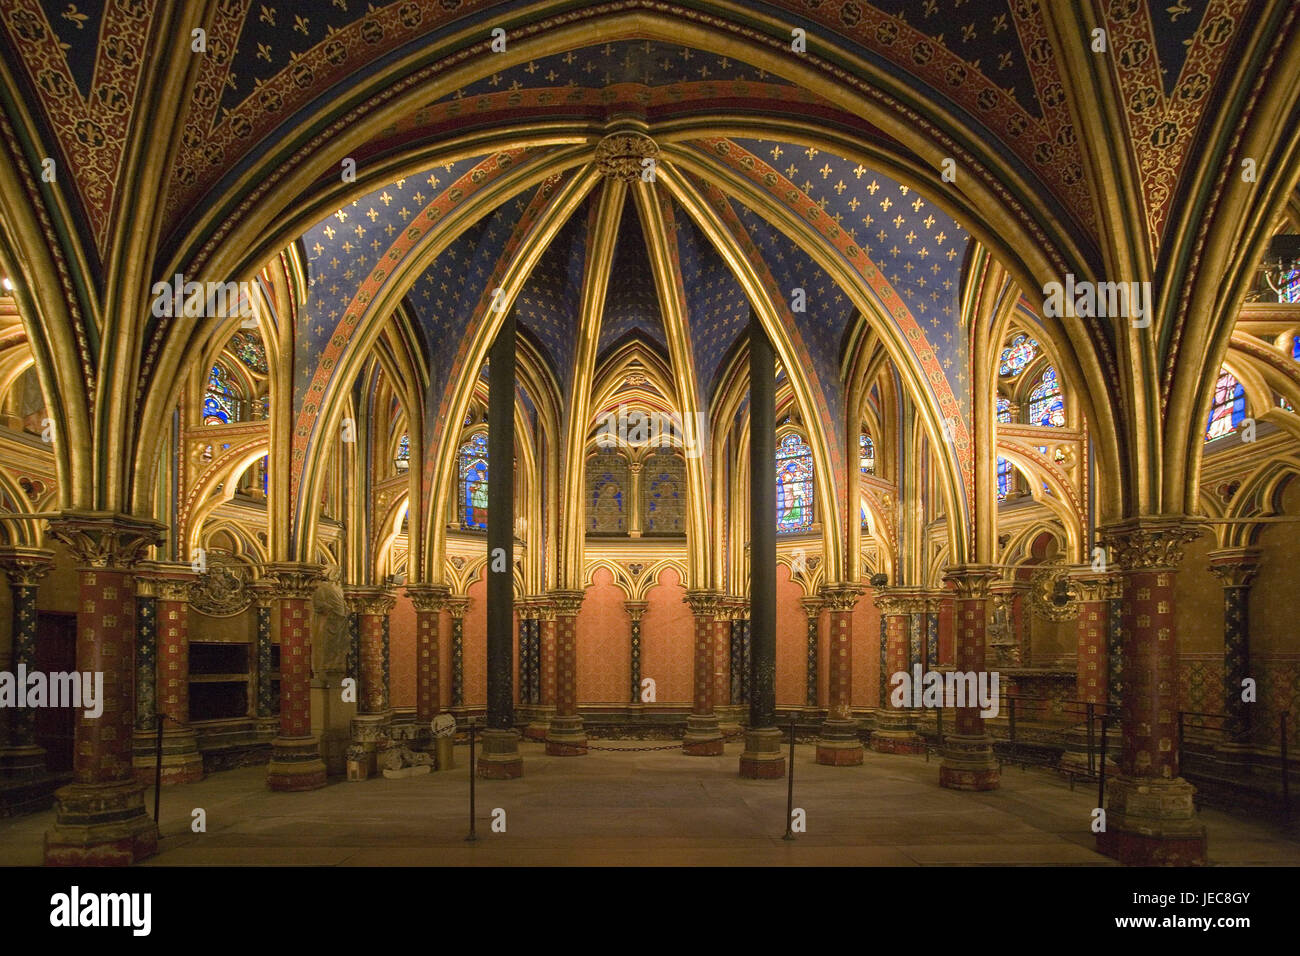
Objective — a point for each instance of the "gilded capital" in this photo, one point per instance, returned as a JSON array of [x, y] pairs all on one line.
[[703, 603], [291, 580], [1149, 544], [428, 597], [369, 600], [24, 567], [841, 597], [107, 540], [1235, 567], [567, 603], [457, 604], [973, 581], [635, 609]]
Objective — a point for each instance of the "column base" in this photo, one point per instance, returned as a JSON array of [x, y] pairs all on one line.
[[703, 737], [22, 763], [362, 754], [1075, 757], [100, 825], [762, 758], [566, 737], [895, 733], [540, 724], [839, 745], [296, 764], [181, 760], [969, 763], [1152, 822], [499, 758]]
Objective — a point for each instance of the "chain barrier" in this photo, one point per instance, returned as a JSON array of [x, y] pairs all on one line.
[[725, 738]]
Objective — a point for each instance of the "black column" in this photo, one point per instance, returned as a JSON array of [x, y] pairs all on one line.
[[762, 527], [500, 526]]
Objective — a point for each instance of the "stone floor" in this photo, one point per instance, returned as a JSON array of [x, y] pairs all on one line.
[[658, 808]]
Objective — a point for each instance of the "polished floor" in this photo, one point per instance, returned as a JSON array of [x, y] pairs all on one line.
[[658, 808]]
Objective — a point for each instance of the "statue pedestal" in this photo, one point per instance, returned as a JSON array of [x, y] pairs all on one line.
[[331, 721]]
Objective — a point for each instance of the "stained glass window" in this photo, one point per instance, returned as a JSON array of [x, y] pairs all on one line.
[[1004, 478], [220, 401], [248, 348], [794, 485], [663, 493], [1295, 347], [607, 481], [1045, 404], [867, 456], [1229, 406], [1017, 355], [474, 482], [1290, 287], [1004, 411]]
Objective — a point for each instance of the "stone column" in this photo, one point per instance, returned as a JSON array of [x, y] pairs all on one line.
[[181, 762], [703, 736], [763, 757], [566, 736], [634, 513], [812, 609], [1150, 816], [722, 667], [263, 601], [428, 601], [296, 762], [372, 606], [968, 759], [933, 604], [20, 758], [457, 605], [736, 645], [1091, 669], [545, 710], [895, 731], [839, 744], [1235, 568], [525, 609], [100, 818], [635, 609]]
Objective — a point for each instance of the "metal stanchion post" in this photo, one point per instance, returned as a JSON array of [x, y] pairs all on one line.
[[157, 766], [473, 772], [1101, 773], [789, 792]]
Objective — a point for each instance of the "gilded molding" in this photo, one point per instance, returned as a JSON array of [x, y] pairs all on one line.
[[1235, 567], [973, 581], [370, 600], [24, 567], [1149, 544], [290, 580], [110, 541], [428, 597]]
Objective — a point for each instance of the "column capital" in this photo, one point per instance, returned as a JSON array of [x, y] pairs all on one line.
[[841, 597], [973, 581], [106, 539], [934, 600], [24, 567], [1093, 586], [703, 602], [457, 604], [369, 600], [1153, 543], [428, 597], [567, 602], [165, 580], [293, 580], [263, 591], [891, 603], [635, 609], [1235, 567], [543, 609], [812, 606]]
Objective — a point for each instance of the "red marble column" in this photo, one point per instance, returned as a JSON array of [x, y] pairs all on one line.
[[895, 731], [372, 606], [100, 818], [703, 736], [538, 728], [968, 759], [1150, 816], [428, 601], [296, 762], [1092, 624], [839, 744], [566, 736], [182, 762]]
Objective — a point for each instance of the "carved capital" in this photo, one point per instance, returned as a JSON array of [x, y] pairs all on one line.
[[567, 603], [703, 603], [972, 581], [374, 600], [1149, 544], [102, 540], [1235, 567], [635, 609], [293, 580], [891, 603], [24, 567], [165, 581], [457, 604], [428, 597], [1093, 586], [841, 597], [543, 609], [812, 606]]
